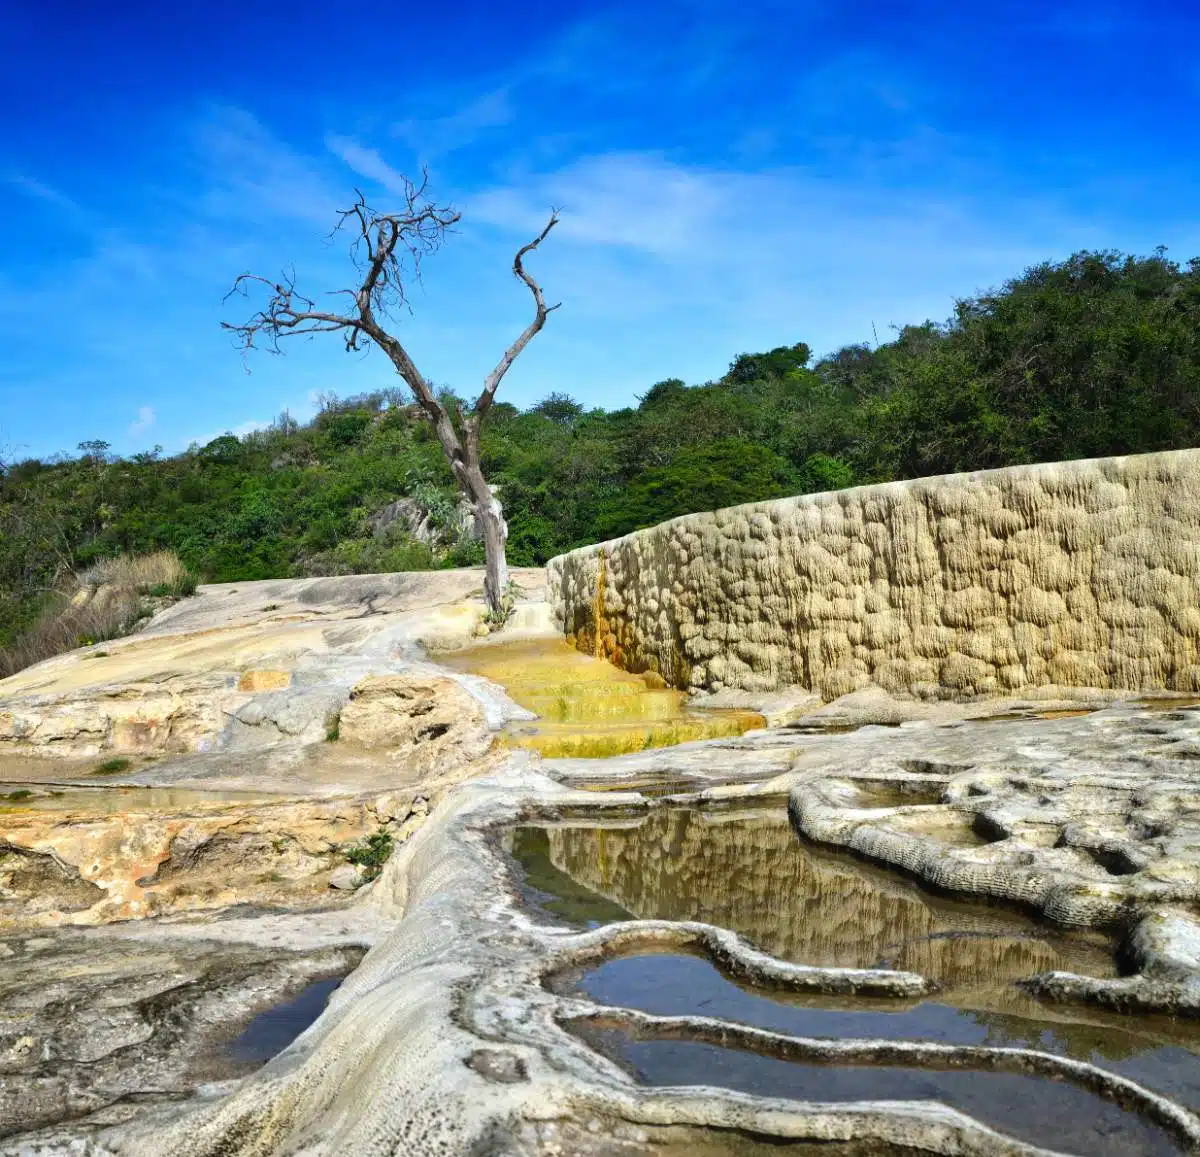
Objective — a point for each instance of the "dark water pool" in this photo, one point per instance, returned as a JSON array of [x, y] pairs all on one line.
[[270, 1032], [1051, 1114], [1145, 1049], [748, 871]]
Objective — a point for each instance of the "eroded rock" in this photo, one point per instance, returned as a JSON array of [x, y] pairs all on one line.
[[1081, 574], [429, 714], [87, 1021]]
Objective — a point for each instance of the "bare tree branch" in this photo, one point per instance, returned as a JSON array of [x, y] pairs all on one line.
[[541, 312], [286, 314], [387, 250]]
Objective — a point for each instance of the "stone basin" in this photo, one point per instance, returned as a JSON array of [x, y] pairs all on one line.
[[586, 707], [569, 956], [748, 871]]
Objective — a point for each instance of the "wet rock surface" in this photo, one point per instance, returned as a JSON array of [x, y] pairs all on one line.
[[980, 903], [587, 707], [89, 1022]]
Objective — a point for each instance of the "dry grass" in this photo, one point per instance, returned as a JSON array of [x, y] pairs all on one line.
[[143, 573], [112, 599]]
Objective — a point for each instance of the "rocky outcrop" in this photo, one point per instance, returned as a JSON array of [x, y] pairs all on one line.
[[88, 1022], [1070, 574], [189, 812], [96, 861], [240, 666], [410, 518], [429, 715]]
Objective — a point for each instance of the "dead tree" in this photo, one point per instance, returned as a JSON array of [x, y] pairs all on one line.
[[387, 250]]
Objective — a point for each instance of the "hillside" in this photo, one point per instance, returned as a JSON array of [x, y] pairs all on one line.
[[1093, 356]]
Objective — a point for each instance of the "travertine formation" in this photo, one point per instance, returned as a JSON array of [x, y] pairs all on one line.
[[87, 858], [427, 717], [446, 1039], [240, 666], [450, 1038], [1079, 574]]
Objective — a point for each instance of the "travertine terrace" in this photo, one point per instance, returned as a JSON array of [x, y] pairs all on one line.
[[445, 1039], [1006, 661], [1080, 574]]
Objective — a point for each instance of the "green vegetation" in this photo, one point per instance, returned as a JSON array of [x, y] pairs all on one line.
[[113, 766], [1096, 355], [372, 853], [508, 606]]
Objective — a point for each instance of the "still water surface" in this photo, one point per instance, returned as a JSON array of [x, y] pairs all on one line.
[[747, 870]]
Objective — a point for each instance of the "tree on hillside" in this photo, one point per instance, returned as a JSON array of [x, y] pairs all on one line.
[[387, 249]]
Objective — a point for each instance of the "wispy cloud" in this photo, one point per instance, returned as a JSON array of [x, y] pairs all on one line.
[[47, 194], [146, 417], [629, 199], [368, 163], [741, 258], [436, 137], [249, 170]]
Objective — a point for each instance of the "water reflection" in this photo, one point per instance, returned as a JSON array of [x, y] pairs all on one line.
[[746, 870], [33, 797], [749, 872]]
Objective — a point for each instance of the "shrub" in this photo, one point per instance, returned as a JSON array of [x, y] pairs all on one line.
[[508, 606], [372, 853], [141, 573], [113, 766], [115, 605]]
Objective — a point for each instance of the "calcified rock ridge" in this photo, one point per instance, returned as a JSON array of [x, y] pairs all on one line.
[[172, 818], [446, 1040], [1080, 574]]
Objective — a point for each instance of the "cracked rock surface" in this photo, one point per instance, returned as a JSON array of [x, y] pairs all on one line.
[[447, 1039], [450, 1037]]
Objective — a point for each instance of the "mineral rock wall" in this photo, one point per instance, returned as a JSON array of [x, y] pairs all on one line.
[[1075, 573]]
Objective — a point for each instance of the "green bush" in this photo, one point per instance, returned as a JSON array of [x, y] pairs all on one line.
[[113, 766], [1095, 355], [372, 853]]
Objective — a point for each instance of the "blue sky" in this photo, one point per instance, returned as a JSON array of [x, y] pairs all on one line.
[[731, 178]]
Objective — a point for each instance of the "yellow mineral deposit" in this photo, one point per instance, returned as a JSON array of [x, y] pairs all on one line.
[[264, 680], [588, 708]]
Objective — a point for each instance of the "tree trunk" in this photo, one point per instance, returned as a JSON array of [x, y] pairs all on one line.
[[495, 534]]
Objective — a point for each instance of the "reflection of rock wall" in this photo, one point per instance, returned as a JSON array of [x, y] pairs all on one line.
[[751, 874], [1076, 573]]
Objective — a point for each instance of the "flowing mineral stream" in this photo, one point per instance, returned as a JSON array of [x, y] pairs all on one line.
[[616, 921]]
